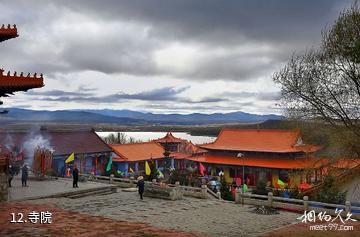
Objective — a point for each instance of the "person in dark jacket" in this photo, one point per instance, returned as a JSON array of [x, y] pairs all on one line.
[[24, 175], [63, 171], [75, 177], [11, 174], [141, 186]]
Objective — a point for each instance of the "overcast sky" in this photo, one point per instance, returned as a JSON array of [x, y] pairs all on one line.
[[160, 56]]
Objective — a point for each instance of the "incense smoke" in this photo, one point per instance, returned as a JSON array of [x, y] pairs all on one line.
[[35, 140]]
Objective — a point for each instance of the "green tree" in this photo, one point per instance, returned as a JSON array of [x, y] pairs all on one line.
[[330, 192], [225, 190]]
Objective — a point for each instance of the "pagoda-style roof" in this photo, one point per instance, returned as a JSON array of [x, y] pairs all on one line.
[[260, 140], [263, 162], [169, 138], [8, 32], [137, 151], [12, 83]]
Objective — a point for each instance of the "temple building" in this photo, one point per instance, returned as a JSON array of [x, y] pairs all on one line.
[[8, 32], [132, 156], [13, 82], [90, 151], [268, 155], [8, 85], [168, 151]]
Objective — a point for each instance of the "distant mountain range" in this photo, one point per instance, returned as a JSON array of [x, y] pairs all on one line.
[[128, 117]]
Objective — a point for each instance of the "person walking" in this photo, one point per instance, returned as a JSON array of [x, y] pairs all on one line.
[[141, 186], [11, 175], [75, 177], [24, 175]]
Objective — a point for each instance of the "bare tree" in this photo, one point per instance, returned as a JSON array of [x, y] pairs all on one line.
[[119, 138], [324, 84]]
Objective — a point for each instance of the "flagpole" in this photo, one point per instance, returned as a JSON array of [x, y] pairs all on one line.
[[241, 155]]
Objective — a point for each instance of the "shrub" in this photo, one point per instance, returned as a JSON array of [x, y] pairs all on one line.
[[330, 192], [225, 190]]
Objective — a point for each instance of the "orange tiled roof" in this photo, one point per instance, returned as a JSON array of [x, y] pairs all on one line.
[[346, 163], [179, 155], [260, 140], [137, 151], [169, 138], [8, 32], [190, 148], [11, 83], [266, 162]]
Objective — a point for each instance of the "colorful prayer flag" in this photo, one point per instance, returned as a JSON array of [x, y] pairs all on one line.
[[245, 188], [70, 158], [147, 168], [160, 175], [202, 169], [280, 183], [108, 167]]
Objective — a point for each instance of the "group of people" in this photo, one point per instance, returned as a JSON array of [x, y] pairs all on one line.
[[24, 175]]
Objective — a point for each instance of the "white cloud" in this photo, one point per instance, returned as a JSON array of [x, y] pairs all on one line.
[[138, 47]]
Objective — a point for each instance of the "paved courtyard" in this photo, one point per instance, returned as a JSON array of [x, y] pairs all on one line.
[[211, 217], [43, 188]]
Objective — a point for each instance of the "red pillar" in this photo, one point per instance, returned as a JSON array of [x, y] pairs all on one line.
[[96, 162]]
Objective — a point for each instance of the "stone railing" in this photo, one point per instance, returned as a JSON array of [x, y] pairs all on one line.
[[120, 182], [196, 192], [158, 190], [296, 205]]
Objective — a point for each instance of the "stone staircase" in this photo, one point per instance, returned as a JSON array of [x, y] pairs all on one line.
[[92, 192], [79, 193]]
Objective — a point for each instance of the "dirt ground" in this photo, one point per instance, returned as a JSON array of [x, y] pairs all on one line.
[[68, 223]]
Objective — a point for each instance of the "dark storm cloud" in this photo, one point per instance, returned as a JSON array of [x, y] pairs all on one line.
[[202, 107], [201, 101], [260, 96], [162, 94], [131, 31], [213, 19]]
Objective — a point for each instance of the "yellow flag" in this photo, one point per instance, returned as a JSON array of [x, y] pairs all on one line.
[[70, 158], [147, 168], [280, 183], [131, 170]]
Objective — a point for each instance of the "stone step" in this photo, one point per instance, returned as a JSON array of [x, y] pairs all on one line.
[[98, 193], [103, 191], [73, 192]]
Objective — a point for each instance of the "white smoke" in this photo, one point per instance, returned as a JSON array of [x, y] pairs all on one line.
[[9, 143], [35, 140]]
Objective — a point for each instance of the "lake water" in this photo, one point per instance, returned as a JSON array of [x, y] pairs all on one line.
[[147, 136]]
